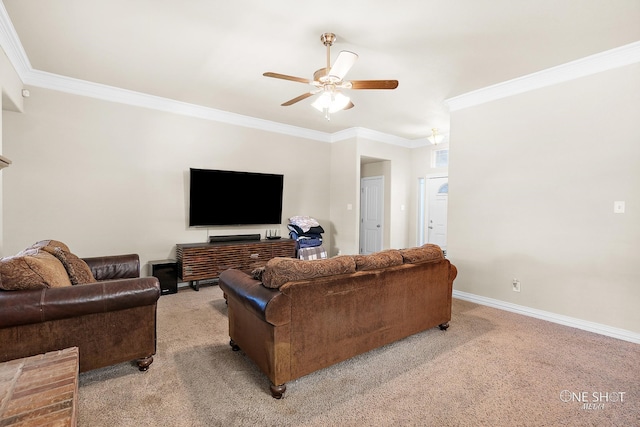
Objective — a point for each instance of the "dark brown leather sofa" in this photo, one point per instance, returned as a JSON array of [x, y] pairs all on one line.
[[110, 321], [302, 316]]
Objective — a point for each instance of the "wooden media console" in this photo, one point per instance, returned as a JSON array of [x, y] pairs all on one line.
[[205, 261]]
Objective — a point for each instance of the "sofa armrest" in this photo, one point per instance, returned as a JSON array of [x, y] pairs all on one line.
[[270, 305], [114, 266], [42, 305], [453, 273]]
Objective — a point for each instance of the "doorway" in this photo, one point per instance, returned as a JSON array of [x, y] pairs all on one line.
[[438, 198], [371, 214]]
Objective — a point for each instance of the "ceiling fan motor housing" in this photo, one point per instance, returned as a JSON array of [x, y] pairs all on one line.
[[328, 39]]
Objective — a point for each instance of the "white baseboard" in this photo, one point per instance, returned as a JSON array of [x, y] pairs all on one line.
[[597, 328]]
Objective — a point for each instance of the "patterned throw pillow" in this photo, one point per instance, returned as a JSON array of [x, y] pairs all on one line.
[[81, 269], [77, 270], [52, 243], [59, 253], [279, 271], [257, 273], [32, 269], [424, 253], [382, 259]]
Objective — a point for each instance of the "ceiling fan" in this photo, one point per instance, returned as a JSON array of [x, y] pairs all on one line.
[[329, 81]]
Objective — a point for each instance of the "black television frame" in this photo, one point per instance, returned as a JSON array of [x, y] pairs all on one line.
[[230, 198]]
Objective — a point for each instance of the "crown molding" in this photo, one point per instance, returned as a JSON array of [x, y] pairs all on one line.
[[359, 132], [607, 60], [79, 87], [60, 83], [74, 86]]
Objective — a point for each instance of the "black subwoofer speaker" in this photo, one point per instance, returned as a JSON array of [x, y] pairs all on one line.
[[167, 273]]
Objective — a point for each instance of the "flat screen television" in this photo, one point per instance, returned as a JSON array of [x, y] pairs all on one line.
[[220, 197]]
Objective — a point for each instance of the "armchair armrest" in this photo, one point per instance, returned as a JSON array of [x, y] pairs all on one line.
[[42, 305], [114, 266], [268, 304]]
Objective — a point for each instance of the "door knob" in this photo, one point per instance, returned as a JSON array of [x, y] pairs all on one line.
[[378, 225]]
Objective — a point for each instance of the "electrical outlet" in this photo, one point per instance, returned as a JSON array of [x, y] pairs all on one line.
[[516, 285]]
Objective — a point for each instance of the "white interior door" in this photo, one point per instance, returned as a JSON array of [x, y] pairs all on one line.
[[371, 214], [438, 191]]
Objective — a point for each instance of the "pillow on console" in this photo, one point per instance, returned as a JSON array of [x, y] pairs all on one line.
[[382, 259], [32, 269], [279, 270], [424, 253]]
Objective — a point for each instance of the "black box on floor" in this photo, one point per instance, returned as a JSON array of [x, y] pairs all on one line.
[[166, 271]]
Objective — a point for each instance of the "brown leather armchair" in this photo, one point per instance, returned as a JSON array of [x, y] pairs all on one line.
[[110, 321]]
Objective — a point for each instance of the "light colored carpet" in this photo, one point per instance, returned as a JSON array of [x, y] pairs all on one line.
[[491, 368]]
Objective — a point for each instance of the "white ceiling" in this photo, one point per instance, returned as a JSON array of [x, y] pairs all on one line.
[[213, 53]]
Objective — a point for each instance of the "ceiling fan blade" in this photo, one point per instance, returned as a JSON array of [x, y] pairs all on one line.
[[297, 99], [374, 84], [343, 64], [349, 105], [286, 77]]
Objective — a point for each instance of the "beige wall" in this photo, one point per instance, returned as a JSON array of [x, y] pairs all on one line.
[[109, 178], [11, 85], [533, 180], [11, 88], [373, 168], [345, 188]]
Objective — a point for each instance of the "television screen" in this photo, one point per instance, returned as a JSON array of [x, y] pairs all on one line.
[[218, 197]]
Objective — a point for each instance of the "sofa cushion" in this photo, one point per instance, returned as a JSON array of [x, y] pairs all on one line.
[[279, 270], [32, 269], [425, 253], [382, 259]]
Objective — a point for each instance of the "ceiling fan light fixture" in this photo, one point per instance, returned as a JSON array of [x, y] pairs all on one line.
[[330, 102], [329, 80]]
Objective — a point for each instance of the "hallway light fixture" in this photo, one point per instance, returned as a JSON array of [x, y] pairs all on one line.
[[435, 137]]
